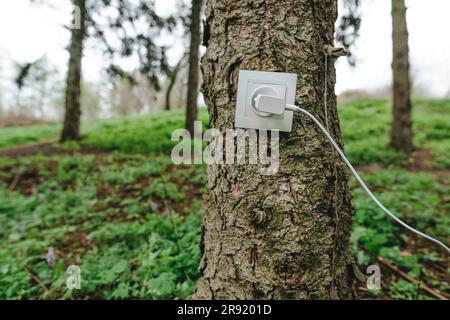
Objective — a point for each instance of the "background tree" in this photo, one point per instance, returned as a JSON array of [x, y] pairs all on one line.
[[172, 79], [124, 100], [193, 75], [71, 125], [347, 31], [23, 71], [133, 26], [91, 100], [285, 235], [401, 132], [36, 84]]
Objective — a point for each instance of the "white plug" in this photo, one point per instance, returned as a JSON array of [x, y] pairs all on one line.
[[270, 104]]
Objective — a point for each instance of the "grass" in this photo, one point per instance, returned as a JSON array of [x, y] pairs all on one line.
[[366, 128], [416, 198], [144, 134], [117, 207], [365, 125], [14, 136], [128, 243]]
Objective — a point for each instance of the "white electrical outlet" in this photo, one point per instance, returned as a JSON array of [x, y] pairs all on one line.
[[276, 84]]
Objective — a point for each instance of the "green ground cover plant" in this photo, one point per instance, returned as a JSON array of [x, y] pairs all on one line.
[[116, 206]]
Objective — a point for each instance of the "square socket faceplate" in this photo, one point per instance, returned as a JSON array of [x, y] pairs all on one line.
[[282, 85]]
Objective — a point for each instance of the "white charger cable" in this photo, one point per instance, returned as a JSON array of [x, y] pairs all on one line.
[[275, 105]]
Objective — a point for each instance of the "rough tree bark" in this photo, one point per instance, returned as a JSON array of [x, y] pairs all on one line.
[[401, 132], [71, 127], [194, 29], [284, 236]]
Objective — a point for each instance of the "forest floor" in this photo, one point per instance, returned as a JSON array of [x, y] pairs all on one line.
[[116, 206]]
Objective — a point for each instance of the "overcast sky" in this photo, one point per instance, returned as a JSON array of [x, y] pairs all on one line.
[[429, 41], [27, 32]]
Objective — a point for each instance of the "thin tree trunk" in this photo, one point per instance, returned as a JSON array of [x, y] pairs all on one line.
[[191, 107], [284, 236], [401, 133], [71, 128], [173, 78]]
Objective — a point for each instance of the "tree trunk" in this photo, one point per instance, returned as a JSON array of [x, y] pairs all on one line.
[[284, 236], [173, 78], [401, 133], [71, 128], [191, 108]]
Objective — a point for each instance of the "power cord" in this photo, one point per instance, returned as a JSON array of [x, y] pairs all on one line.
[[276, 105]]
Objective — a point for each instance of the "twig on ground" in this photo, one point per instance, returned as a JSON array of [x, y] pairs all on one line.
[[411, 279], [15, 181], [37, 280], [419, 284]]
